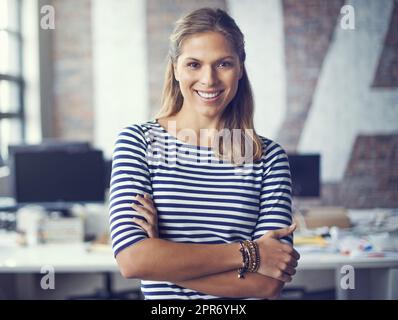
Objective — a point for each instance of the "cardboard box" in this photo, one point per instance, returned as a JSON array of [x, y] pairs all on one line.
[[317, 217]]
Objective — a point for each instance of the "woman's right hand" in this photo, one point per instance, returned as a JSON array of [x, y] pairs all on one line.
[[278, 260], [149, 212]]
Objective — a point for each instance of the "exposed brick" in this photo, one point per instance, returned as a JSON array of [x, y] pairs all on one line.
[[371, 176], [73, 82], [387, 70], [306, 23]]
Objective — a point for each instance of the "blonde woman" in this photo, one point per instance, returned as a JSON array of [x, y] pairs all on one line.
[[187, 216]]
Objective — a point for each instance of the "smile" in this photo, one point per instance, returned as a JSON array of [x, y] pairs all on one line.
[[208, 95]]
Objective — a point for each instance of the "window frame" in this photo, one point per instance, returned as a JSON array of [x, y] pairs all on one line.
[[17, 80]]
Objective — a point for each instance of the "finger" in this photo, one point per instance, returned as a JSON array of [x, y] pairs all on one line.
[[290, 250], [149, 229], [285, 268], [295, 254], [291, 262], [146, 202], [144, 211], [286, 278], [280, 233], [147, 196], [288, 269], [143, 224], [287, 248], [148, 215], [282, 276]]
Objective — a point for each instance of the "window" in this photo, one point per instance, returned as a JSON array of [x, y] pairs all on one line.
[[12, 124]]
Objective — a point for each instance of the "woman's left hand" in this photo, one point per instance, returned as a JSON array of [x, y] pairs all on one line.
[[149, 212]]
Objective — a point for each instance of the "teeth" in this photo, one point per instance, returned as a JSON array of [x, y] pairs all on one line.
[[207, 95]]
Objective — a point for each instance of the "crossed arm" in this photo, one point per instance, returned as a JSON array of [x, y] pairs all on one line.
[[210, 269], [227, 284]]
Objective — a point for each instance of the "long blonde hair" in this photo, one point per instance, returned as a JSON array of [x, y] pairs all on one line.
[[239, 113]]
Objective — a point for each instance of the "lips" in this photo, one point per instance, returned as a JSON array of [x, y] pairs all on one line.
[[209, 95]]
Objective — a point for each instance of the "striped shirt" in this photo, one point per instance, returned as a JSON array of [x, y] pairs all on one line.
[[199, 198]]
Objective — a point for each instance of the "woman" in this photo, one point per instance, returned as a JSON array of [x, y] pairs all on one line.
[[210, 230]]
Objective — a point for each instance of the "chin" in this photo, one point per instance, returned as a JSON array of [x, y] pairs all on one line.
[[209, 110]]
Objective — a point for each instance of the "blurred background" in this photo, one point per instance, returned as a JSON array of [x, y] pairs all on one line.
[[324, 75]]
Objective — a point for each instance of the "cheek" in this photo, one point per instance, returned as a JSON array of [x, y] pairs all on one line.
[[186, 79], [233, 84], [231, 78]]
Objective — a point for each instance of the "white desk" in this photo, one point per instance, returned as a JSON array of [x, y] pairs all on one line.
[[375, 277], [24, 264], [325, 261], [66, 258], [378, 275]]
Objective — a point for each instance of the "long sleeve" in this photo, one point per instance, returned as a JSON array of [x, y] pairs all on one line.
[[276, 193], [130, 176]]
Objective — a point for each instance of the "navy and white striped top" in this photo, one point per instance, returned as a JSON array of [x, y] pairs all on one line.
[[199, 198]]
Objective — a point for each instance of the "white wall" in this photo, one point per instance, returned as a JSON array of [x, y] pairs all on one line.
[[120, 74], [31, 70], [344, 103], [262, 24]]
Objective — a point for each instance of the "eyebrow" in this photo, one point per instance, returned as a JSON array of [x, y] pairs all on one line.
[[223, 58]]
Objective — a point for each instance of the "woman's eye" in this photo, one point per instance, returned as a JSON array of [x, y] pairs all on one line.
[[225, 64], [193, 65]]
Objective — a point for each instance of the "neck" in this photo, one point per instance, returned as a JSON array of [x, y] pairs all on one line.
[[194, 130]]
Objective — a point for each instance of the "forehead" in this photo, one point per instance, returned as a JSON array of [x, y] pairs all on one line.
[[206, 45]]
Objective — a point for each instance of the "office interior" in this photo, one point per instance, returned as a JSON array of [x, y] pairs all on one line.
[[74, 72]]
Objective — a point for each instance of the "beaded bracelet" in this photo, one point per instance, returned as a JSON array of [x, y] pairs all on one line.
[[245, 260], [250, 257], [254, 256]]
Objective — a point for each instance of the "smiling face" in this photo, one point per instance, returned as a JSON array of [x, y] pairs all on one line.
[[208, 71]]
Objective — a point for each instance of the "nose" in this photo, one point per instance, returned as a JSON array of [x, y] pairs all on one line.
[[208, 76]]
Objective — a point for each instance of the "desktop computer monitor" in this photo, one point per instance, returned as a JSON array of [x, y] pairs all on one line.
[[305, 172], [57, 176]]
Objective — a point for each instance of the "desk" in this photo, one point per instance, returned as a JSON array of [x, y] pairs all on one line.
[[24, 264], [65, 258], [375, 277]]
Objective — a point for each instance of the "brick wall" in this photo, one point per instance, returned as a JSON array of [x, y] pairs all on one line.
[[371, 178], [308, 27], [387, 71], [73, 82]]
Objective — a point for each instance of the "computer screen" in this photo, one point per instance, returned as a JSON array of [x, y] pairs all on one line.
[[57, 176], [305, 171]]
